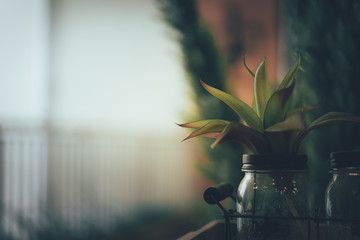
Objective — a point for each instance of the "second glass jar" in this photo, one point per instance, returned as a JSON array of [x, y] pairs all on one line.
[[343, 196]]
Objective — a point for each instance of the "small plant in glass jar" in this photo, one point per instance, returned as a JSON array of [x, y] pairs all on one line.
[[275, 191]]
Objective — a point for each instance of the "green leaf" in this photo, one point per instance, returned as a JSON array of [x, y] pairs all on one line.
[[249, 138], [242, 109], [295, 121], [290, 76], [247, 68], [281, 135], [261, 88], [275, 110], [303, 109], [201, 123], [326, 120], [332, 118], [253, 106], [215, 126]]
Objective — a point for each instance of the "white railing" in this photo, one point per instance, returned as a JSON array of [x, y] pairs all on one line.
[[89, 178]]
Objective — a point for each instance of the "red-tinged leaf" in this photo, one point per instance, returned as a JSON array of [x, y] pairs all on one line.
[[295, 121], [275, 110], [332, 118], [249, 138], [214, 126], [326, 120], [282, 134], [242, 109], [201, 123], [303, 109], [211, 135]]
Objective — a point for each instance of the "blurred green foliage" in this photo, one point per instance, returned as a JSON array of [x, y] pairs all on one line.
[[327, 34], [203, 61]]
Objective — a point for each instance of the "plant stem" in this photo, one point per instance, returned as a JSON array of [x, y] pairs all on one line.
[[294, 213]]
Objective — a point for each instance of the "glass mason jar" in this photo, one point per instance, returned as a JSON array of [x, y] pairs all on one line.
[[273, 193], [342, 199]]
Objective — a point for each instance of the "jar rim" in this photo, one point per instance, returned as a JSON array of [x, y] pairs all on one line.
[[346, 170], [345, 159], [274, 162]]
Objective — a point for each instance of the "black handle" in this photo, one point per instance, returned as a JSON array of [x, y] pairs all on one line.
[[217, 193]]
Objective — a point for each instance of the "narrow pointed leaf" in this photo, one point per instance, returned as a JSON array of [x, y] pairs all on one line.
[[242, 109], [326, 120], [247, 68], [261, 88], [332, 118], [214, 126], [251, 139], [253, 106], [281, 135], [275, 110], [290, 76], [201, 123], [294, 122], [210, 135], [303, 109]]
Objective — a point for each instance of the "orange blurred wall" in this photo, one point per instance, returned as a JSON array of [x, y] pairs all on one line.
[[255, 27]]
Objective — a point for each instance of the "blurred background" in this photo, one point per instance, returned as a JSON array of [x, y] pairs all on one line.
[[90, 91]]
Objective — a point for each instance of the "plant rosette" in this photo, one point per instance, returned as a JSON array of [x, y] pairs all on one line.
[[273, 133], [268, 126]]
